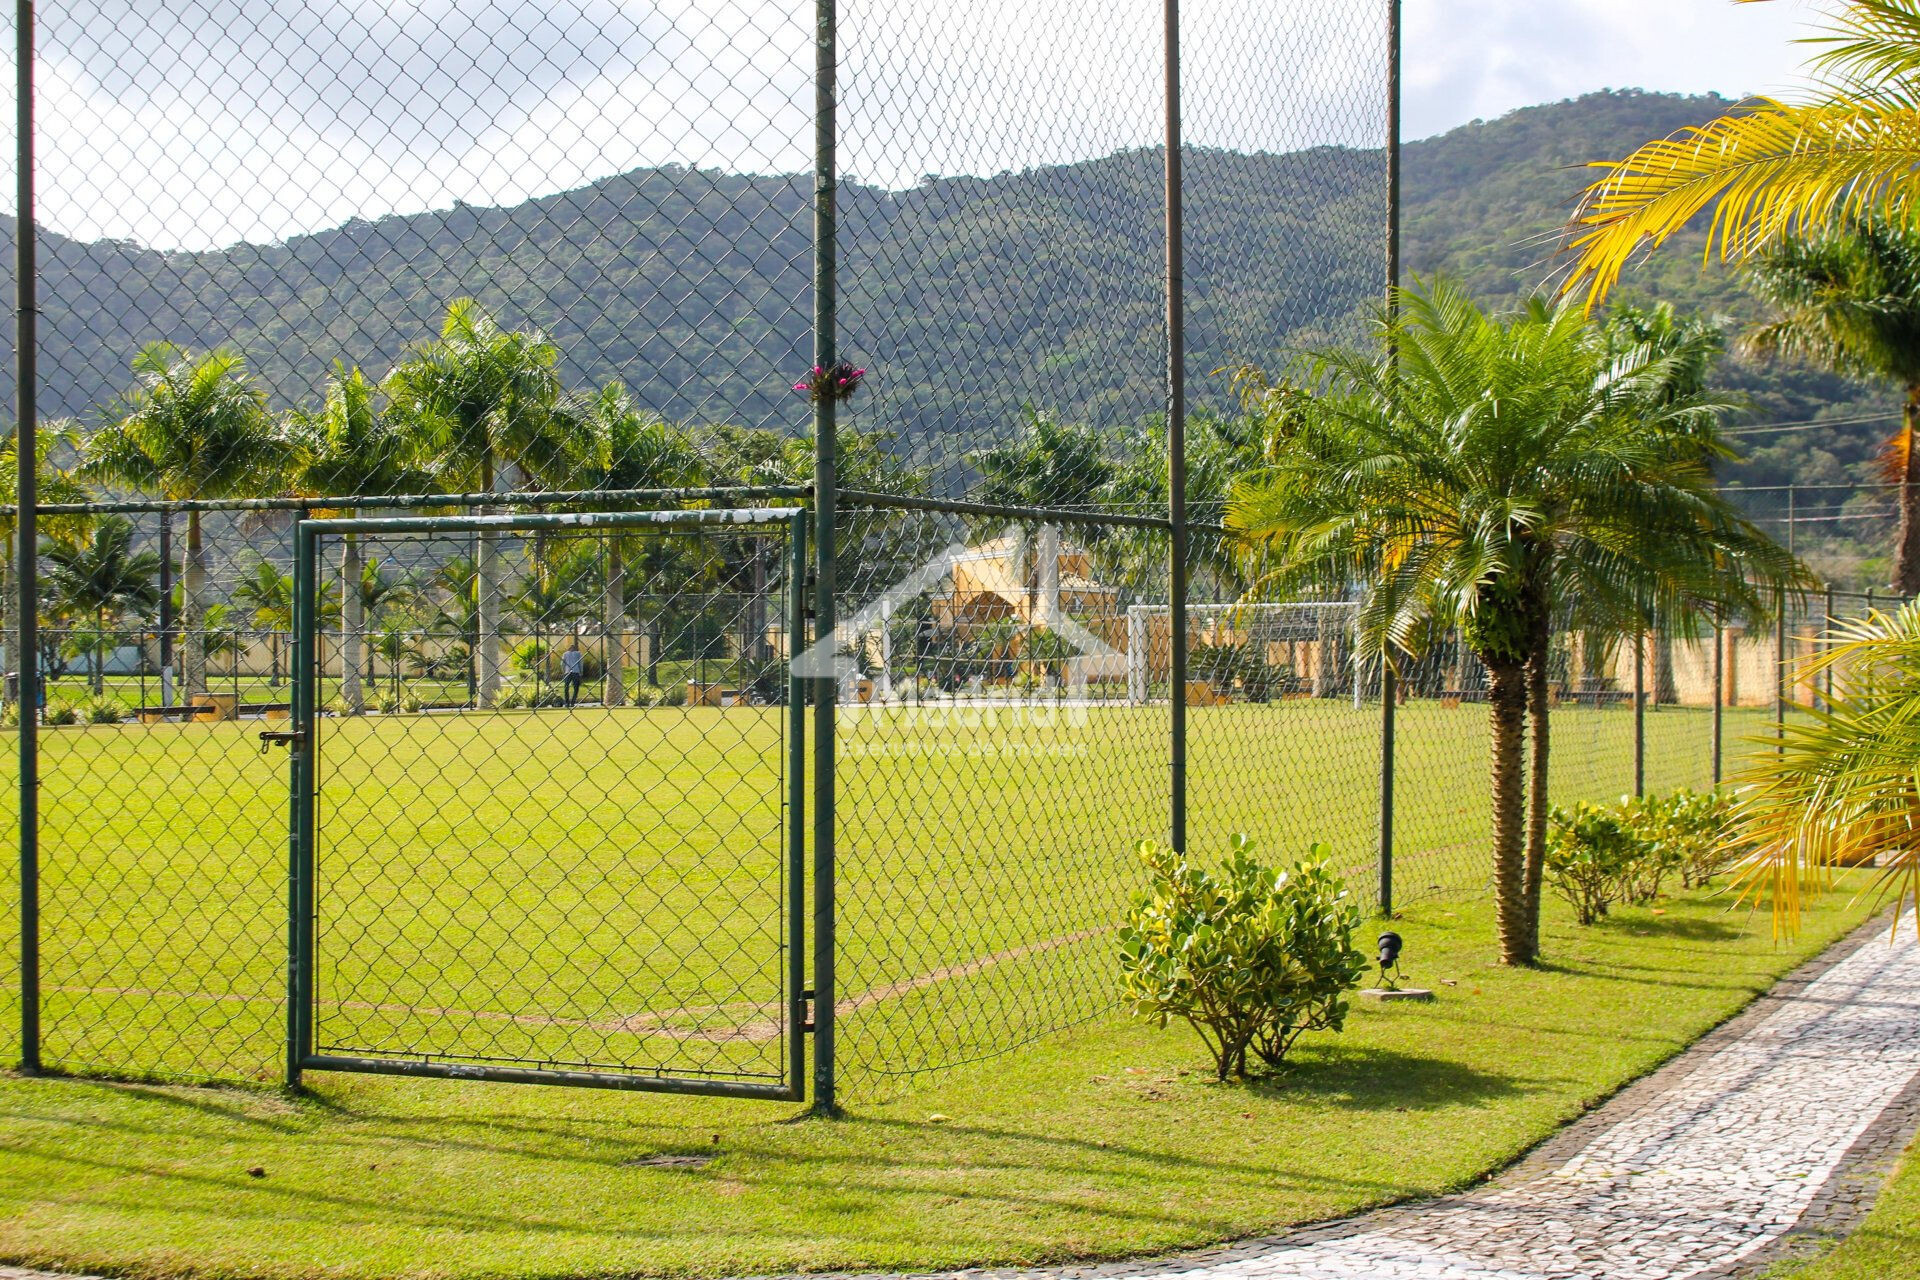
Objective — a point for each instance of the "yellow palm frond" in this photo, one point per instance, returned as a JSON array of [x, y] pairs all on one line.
[[1842, 785], [1767, 169]]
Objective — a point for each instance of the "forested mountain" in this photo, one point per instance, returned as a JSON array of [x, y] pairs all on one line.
[[1486, 203], [968, 297]]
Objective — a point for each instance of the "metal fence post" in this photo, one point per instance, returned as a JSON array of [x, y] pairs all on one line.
[[825, 354], [1176, 438], [1780, 674], [300, 824], [26, 531], [796, 624], [1388, 692], [1719, 690], [166, 608], [1640, 711], [1826, 629]]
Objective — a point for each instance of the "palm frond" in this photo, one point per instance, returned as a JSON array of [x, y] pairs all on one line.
[[1767, 169]]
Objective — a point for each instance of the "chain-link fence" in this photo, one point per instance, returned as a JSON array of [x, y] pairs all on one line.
[[574, 804]]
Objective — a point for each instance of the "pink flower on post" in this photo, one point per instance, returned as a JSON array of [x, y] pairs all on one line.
[[836, 383]]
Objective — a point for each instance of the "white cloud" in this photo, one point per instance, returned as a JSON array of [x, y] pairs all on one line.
[[1478, 59]]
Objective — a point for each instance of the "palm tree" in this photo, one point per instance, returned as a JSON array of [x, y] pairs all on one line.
[[1049, 464], [1768, 169], [482, 398], [267, 593], [457, 613], [375, 594], [193, 427], [1482, 472], [1849, 299], [1839, 786], [633, 450], [1219, 449], [345, 448], [1691, 345], [102, 578], [54, 483]]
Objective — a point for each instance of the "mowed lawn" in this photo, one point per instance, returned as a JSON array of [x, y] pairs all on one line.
[[1106, 1140], [605, 888]]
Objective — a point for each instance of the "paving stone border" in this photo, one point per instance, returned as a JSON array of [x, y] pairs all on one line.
[[1716, 1166]]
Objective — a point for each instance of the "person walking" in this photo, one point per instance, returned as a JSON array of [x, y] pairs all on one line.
[[573, 665]]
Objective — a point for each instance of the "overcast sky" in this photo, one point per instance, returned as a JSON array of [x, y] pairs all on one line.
[[1469, 59], [259, 119]]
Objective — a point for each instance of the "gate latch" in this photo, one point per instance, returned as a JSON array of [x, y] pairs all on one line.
[[280, 737]]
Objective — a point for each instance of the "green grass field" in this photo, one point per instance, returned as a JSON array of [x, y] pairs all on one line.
[[605, 888], [1107, 1140]]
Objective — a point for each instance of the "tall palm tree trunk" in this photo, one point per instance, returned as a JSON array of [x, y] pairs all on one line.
[[1047, 574], [353, 622], [193, 639], [613, 607], [1906, 559], [1507, 714], [486, 655], [1539, 736]]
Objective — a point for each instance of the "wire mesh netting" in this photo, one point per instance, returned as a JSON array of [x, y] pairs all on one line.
[[1845, 532], [586, 872], [307, 259], [595, 874]]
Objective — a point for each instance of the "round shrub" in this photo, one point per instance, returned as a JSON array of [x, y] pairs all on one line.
[[1249, 957], [1592, 851]]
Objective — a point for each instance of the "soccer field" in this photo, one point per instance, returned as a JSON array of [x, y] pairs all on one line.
[[605, 888]]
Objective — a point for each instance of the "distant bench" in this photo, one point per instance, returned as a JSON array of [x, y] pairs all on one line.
[[212, 707]]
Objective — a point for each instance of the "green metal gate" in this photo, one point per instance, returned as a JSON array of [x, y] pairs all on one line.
[[547, 820]]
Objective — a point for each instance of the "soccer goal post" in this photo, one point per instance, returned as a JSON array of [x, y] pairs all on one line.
[[1246, 652]]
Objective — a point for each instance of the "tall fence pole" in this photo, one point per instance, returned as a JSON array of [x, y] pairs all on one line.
[[1826, 629], [1176, 439], [825, 354], [1780, 636], [1640, 711], [166, 608], [1780, 674], [1719, 690], [1388, 693], [27, 550]]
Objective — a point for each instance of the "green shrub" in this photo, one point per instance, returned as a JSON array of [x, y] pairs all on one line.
[[101, 711], [412, 702], [10, 716], [1647, 870], [510, 698], [386, 704], [1694, 828], [61, 713], [1591, 855], [1249, 958]]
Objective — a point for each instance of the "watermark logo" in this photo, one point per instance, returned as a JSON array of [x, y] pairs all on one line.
[[974, 719]]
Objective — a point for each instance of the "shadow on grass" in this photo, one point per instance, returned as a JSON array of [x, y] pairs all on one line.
[[1376, 1079], [1680, 928]]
